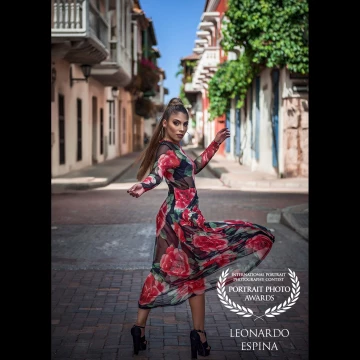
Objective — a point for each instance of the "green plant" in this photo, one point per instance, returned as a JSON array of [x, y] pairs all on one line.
[[182, 96], [275, 31], [231, 80], [180, 71], [189, 65], [145, 107], [272, 33]]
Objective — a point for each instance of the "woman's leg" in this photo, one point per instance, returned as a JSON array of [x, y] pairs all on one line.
[[142, 318], [197, 305]]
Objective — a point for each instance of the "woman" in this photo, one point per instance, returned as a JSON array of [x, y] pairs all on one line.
[[189, 251]]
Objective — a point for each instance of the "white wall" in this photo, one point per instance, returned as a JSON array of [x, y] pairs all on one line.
[[231, 154], [245, 133], [265, 161]]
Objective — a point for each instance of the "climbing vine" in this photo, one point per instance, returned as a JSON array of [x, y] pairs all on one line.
[[271, 33], [231, 80], [182, 95]]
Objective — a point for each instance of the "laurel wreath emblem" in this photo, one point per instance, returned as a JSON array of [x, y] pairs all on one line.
[[270, 312]]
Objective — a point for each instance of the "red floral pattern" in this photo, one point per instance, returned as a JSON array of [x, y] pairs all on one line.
[[201, 161], [221, 259], [167, 161], [160, 218], [183, 197], [260, 244], [189, 246], [151, 289], [191, 287], [210, 242], [175, 262], [179, 232], [185, 218]]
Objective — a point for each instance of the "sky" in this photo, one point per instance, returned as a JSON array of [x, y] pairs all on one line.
[[175, 23]]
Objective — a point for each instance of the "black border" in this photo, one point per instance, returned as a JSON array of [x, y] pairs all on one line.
[[26, 164]]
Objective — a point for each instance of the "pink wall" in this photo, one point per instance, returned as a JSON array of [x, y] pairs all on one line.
[[83, 91]]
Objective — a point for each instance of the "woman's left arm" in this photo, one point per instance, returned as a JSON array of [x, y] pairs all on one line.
[[203, 159]]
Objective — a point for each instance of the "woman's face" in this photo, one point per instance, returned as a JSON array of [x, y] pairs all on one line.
[[176, 127]]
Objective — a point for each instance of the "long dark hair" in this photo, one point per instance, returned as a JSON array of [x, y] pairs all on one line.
[[147, 157]]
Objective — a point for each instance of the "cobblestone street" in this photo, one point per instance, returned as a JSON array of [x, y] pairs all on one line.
[[96, 235]]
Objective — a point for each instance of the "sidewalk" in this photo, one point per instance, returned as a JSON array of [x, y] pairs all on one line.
[[230, 173], [94, 176]]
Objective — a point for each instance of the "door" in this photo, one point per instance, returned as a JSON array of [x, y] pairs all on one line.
[[227, 141], [275, 116], [237, 132], [251, 122], [79, 130], [257, 118], [94, 129], [101, 131], [61, 110]]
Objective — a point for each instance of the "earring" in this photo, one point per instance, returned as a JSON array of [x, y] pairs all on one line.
[[162, 132]]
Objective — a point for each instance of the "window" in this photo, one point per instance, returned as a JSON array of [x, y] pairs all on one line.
[[101, 131], [124, 126], [61, 112], [111, 122], [125, 25], [79, 130]]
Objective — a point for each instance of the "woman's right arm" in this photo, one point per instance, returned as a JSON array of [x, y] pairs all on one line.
[[166, 161]]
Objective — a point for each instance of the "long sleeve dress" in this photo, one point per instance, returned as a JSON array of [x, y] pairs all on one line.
[[190, 253]]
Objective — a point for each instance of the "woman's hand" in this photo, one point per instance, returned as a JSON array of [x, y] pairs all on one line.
[[136, 190], [222, 135]]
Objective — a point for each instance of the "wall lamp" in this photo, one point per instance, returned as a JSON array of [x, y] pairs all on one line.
[[86, 70], [53, 75], [115, 92]]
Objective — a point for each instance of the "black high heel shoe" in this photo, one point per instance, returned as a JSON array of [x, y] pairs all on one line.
[[198, 347], [139, 341]]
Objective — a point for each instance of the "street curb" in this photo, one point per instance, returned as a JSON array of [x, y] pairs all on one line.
[[56, 188], [256, 186], [287, 218]]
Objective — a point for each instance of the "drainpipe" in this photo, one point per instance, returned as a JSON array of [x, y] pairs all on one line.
[[118, 31], [146, 52], [272, 122], [107, 15]]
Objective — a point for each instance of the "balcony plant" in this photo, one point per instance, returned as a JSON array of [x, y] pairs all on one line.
[[146, 79], [145, 107], [273, 34]]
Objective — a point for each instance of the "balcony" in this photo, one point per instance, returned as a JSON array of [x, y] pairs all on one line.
[[208, 61], [198, 49], [210, 16], [201, 42], [157, 99], [79, 33], [190, 87], [204, 35], [206, 25], [191, 92], [116, 69]]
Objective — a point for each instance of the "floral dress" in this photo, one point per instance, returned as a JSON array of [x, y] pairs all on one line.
[[190, 253]]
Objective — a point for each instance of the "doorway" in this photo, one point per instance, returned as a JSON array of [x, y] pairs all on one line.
[[275, 116], [94, 130]]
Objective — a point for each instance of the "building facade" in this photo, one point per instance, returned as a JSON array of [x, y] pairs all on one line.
[[270, 132], [96, 46]]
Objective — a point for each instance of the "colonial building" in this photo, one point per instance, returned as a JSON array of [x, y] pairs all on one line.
[[96, 49], [207, 54], [270, 132]]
